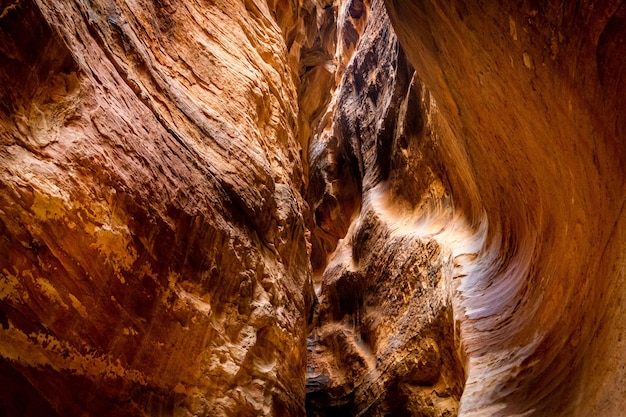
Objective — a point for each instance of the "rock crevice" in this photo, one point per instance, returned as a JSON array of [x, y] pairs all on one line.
[[383, 337]]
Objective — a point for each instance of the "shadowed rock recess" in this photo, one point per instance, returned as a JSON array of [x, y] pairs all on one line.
[[312, 207]]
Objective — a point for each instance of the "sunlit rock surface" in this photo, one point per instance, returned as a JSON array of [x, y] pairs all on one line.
[[153, 253], [531, 95]]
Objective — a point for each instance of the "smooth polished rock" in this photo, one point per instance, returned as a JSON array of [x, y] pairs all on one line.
[[531, 97]]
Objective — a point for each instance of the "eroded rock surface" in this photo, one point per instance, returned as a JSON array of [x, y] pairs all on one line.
[[154, 259], [280, 208], [383, 336], [532, 97]]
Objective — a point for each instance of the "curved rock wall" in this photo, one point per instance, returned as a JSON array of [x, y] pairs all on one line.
[[532, 94]]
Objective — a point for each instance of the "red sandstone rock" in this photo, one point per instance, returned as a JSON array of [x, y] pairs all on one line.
[[152, 238], [531, 108], [383, 337]]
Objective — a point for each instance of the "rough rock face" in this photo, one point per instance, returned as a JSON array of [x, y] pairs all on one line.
[[531, 95], [383, 337], [153, 253]]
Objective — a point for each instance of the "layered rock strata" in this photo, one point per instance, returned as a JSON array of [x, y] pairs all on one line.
[[280, 208], [154, 259]]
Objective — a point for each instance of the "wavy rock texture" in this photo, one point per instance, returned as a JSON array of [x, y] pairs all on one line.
[[383, 336], [154, 259], [532, 94]]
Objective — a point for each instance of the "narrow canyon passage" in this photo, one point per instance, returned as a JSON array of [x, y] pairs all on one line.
[[382, 337], [312, 207]]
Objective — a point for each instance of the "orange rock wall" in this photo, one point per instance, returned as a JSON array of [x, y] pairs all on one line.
[[154, 259], [382, 341], [325, 207], [532, 96]]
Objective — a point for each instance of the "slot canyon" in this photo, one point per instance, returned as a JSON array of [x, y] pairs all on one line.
[[312, 208]]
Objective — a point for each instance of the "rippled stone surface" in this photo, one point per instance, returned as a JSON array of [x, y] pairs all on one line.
[[281, 208], [531, 95]]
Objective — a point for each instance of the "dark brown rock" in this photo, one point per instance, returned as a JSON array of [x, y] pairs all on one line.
[[383, 340], [193, 193]]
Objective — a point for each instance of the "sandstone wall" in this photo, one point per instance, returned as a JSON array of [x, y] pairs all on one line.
[[281, 208], [383, 336], [533, 97], [154, 259]]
